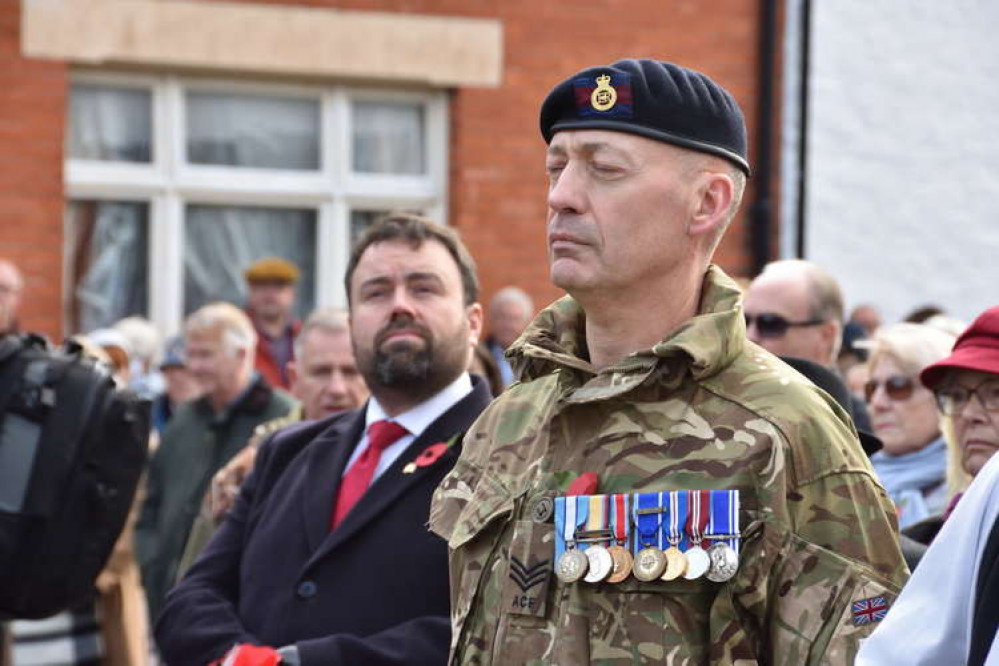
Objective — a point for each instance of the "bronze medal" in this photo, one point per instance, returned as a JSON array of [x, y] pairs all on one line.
[[649, 564], [724, 562], [623, 562], [676, 564], [571, 566], [600, 564], [620, 553]]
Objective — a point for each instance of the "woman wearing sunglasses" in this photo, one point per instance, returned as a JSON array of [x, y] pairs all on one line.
[[913, 463], [948, 612]]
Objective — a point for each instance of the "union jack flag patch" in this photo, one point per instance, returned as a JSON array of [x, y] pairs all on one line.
[[868, 611]]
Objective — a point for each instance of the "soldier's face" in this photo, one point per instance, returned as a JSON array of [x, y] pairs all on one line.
[[411, 331], [617, 211]]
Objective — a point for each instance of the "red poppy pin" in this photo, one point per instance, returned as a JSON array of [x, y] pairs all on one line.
[[428, 457]]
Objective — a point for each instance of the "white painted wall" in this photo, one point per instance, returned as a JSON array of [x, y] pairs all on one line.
[[902, 196]]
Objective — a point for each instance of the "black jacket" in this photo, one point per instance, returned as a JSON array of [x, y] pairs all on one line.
[[374, 591]]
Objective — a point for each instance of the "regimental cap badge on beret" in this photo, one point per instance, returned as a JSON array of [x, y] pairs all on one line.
[[607, 95], [657, 100]]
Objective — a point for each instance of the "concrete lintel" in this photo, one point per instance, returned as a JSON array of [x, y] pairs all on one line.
[[388, 47]]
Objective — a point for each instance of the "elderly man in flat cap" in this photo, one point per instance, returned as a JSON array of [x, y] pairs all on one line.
[[270, 286], [656, 488]]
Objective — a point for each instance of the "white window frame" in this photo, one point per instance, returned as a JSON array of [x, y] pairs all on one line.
[[169, 184]]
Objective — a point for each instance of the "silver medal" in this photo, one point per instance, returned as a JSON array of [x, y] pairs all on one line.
[[571, 566], [724, 563], [600, 562], [698, 562]]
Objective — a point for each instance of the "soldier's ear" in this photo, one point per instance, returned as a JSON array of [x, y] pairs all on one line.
[[714, 192]]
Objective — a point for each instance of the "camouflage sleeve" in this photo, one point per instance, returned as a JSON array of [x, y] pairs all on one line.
[[839, 571], [464, 504], [850, 514], [821, 605], [833, 497]]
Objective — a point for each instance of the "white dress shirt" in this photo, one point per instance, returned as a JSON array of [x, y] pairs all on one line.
[[414, 420]]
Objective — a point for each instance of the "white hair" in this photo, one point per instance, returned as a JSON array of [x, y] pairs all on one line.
[[331, 320], [946, 324], [514, 295], [233, 324], [912, 346], [143, 338]]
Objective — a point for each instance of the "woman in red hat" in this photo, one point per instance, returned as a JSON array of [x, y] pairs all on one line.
[[966, 384]]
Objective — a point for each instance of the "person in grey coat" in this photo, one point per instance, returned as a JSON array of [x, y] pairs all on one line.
[[201, 437]]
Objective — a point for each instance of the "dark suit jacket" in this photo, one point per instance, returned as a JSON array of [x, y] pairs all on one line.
[[374, 591]]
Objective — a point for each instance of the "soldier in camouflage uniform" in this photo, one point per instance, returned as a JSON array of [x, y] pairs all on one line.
[[644, 376]]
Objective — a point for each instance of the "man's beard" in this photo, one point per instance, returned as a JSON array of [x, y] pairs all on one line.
[[403, 365], [418, 371]]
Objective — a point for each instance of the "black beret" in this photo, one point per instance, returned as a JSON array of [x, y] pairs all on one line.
[[658, 100]]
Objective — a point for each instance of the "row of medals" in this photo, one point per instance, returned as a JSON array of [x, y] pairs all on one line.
[[614, 564]]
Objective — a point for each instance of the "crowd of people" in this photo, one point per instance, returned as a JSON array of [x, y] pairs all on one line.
[[390, 485]]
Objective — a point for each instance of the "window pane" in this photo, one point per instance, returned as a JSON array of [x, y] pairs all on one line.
[[108, 123], [106, 262], [389, 138], [221, 241], [362, 219], [252, 131]]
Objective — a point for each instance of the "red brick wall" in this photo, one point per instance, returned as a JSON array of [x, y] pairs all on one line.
[[497, 154], [497, 189], [32, 115]]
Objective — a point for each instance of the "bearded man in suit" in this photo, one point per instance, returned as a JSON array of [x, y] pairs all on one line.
[[325, 557]]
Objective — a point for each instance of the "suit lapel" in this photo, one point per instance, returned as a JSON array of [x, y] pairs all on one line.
[[393, 482], [327, 458]]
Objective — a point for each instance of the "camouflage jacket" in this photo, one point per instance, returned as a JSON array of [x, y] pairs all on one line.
[[703, 409]]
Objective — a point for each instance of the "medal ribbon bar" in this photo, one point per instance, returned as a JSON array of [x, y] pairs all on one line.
[[595, 524], [647, 523], [559, 526], [581, 506], [697, 520], [619, 519], [725, 517], [672, 503]]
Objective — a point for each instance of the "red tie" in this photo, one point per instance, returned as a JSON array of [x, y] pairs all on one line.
[[355, 482]]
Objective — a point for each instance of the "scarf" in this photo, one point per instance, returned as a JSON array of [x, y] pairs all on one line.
[[915, 481]]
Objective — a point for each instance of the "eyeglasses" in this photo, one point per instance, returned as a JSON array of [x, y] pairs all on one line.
[[770, 325], [897, 388], [953, 399]]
